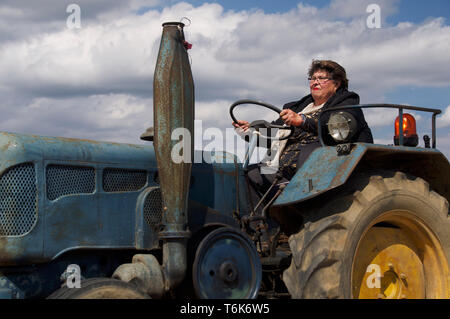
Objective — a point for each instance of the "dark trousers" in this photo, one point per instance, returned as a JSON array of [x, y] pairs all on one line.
[[259, 183]]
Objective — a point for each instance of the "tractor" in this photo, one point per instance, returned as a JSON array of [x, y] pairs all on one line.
[[83, 219]]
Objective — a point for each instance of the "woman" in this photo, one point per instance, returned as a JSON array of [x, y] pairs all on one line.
[[328, 86]]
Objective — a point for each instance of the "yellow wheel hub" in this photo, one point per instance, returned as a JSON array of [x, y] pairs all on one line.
[[395, 257]]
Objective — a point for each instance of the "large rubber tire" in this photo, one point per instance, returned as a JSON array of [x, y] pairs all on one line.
[[100, 288], [380, 216]]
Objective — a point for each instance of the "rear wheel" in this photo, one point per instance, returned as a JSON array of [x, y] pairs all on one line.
[[387, 238], [100, 288]]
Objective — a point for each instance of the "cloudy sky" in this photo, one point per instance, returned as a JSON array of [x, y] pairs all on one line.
[[95, 81]]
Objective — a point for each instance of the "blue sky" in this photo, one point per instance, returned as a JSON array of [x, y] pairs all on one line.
[[95, 81], [415, 11]]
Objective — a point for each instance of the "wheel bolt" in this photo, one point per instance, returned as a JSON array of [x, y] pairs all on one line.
[[391, 266], [402, 276]]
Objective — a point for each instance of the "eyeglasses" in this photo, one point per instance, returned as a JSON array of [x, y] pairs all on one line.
[[321, 79]]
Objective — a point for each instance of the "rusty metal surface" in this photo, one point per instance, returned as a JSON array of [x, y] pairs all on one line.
[[325, 170], [219, 183], [16, 148], [173, 107], [227, 266], [429, 164], [322, 171], [71, 221]]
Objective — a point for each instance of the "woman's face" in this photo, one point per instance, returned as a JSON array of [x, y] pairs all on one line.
[[322, 87]]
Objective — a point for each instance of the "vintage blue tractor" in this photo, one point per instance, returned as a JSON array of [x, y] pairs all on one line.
[[88, 219]]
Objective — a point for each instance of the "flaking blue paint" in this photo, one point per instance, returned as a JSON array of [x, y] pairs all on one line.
[[325, 169]]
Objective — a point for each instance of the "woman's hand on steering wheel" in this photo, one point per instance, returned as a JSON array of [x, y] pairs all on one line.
[[291, 118], [244, 125], [260, 123]]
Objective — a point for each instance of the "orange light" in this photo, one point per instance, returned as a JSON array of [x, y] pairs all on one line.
[[410, 137], [409, 125]]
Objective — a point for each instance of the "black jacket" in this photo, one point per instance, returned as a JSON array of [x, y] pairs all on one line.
[[342, 97]]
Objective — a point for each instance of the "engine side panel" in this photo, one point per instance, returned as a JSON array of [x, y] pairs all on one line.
[[59, 194]]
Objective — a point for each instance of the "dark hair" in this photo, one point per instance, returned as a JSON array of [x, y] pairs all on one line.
[[336, 71]]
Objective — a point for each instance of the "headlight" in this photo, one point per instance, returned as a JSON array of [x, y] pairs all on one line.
[[341, 126]]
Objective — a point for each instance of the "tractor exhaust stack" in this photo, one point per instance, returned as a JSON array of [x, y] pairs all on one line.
[[173, 109]]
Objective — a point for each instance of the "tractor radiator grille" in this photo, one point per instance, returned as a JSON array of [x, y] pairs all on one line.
[[123, 180], [18, 200], [153, 208], [69, 180]]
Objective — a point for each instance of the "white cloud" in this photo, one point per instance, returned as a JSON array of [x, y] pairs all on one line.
[[96, 82], [23, 19], [380, 116], [246, 52], [444, 119], [112, 117]]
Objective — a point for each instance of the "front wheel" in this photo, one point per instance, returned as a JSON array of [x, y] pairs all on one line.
[[100, 288], [384, 236]]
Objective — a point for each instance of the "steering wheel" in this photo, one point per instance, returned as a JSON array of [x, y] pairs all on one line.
[[258, 124]]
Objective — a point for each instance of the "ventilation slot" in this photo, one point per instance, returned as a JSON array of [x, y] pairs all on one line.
[[69, 180], [18, 200], [123, 180], [153, 208]]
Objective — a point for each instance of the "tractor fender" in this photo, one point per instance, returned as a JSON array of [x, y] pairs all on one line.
[[325, 169]]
